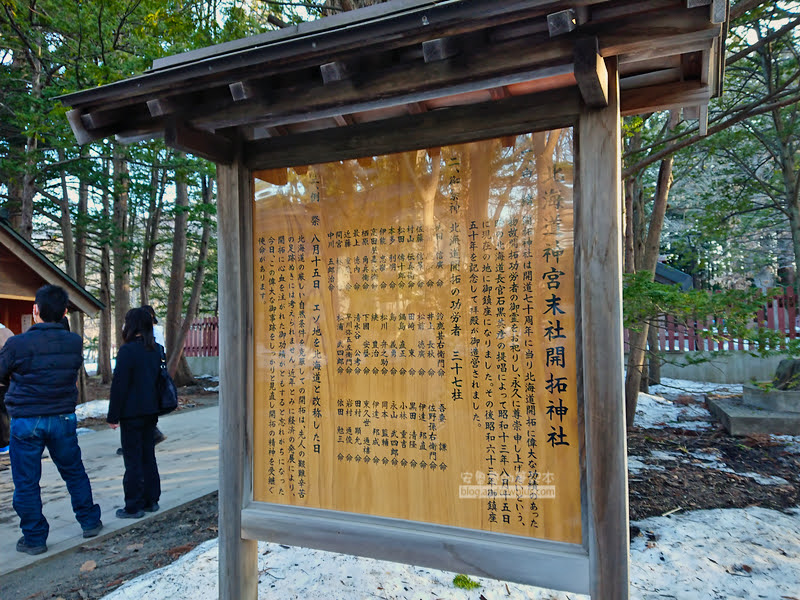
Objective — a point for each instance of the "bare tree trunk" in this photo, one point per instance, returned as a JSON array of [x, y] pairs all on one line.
[[158, 184], [654, 368], [104, 338], [80, 242], [177, 277], [122, 264], [629, 263], [638, 339], [65, 221], [181, 368], [21, 188]]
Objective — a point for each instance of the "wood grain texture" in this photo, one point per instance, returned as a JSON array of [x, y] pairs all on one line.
[[385, 368], [213, 147], [591, 73], [425, 130], [238, 561], [599, 260]]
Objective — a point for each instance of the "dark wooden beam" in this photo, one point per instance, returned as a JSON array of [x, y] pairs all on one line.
[[412, 132], [285, 55], [82, 135], [160, 107], [244, 90], [216, 148], [391, 87], [561, 22], [132, 137], [591, 73], [440, 49], [719, 11], [662, 29], [691, 113], [343, 120], [661, 97], [334, 71]]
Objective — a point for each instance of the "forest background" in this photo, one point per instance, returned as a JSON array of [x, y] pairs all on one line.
[[136, 224]]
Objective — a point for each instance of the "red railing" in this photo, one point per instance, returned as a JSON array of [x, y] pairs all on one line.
[[779, 313], [203, 338]]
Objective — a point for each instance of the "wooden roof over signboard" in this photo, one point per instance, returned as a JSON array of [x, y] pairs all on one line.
[[24, 269], [407, 58]]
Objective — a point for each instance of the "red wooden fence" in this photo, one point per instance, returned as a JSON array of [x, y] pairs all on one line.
[[779, 313], [203, 338]]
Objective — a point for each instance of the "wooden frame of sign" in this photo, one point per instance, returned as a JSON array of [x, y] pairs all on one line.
[[598, 564]]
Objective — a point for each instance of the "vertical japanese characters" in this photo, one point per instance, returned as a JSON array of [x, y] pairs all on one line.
[[421, 371]]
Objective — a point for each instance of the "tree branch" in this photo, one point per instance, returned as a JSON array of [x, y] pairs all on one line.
[[743, 114]]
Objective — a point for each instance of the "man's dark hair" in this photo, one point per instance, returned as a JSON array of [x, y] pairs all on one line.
[[52, 302]]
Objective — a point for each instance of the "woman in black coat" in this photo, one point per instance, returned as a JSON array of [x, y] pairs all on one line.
[[134, 409]]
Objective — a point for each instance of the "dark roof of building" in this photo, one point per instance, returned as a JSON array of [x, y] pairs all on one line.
[[413, 57], [673, 276]]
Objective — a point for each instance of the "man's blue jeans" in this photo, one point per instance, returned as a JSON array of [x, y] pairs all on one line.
[[29, 437]]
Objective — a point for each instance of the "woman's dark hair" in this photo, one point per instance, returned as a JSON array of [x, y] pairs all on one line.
[[138, 323]]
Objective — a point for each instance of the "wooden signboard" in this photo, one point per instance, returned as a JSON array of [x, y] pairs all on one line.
[[414, 337]]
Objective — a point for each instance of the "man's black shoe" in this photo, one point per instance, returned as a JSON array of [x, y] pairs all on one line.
[[124, 514], [152, 507], [90, 533], [32, 550], [119, 451]]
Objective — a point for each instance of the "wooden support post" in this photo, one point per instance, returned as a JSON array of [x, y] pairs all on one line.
[[703, 119], [238, 558], [598, 250]]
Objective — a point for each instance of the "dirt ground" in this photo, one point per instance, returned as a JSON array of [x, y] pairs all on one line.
[[96, 569]]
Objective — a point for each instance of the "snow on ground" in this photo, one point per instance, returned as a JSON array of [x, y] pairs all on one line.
[[702, 555], [298, 573], [672, 388], [791, 442], [706, 460], [730, 554], [655, 412], [659, 409], [91, 367], [94, 409]]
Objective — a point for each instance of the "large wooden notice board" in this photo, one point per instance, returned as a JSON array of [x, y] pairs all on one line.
[[415, 337]]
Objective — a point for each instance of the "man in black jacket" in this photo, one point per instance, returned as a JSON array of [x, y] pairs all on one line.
[[42, 366]]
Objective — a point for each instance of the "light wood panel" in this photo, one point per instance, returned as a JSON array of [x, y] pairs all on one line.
[[414, 337]]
